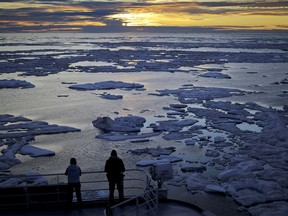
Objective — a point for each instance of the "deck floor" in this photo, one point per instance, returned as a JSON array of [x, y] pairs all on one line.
[[167, 208]]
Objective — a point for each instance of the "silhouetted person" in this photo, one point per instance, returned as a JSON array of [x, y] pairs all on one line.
[[73, 172], [114, 168]]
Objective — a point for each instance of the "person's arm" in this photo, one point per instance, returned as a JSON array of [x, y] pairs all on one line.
[[66, 172], [106, 167], [122, 166]]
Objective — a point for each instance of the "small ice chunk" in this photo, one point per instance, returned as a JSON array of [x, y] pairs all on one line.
[[35, 151], [214, 188], [193, 168], [190, 142], [216, 75], [219, 139], [171, 158], [151, 162], [111, 97]]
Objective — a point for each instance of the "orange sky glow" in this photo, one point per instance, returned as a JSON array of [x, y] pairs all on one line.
[[20, 16]]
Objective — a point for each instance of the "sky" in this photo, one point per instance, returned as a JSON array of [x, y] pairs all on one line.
[[96, 15]]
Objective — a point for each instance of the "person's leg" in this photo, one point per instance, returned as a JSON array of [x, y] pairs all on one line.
[[78, 193], [111, 190], [70, 194], [120, 188]]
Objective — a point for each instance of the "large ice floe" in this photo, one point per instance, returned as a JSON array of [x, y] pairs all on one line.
[[121, 124], [17, 132], [12, 83]]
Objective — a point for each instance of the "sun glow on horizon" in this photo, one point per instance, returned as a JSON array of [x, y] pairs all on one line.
[[204, 20], [225, 14]]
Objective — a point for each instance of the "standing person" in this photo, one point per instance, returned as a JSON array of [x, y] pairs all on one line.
[[114, 168], [74, 172]]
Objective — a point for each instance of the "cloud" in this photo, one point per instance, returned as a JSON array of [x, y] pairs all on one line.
[[22, 15]]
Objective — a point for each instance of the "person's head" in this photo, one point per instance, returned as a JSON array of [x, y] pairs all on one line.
[[73, 161], [113, 153]]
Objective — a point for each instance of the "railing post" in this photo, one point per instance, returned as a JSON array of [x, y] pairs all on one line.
[[157, 201], [58, 188], [26, 192], [137, 207]]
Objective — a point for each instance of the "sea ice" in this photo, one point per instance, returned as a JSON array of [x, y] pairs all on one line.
[[121, 137], [106, 85], [111, 97], [18, 132], [214, 188], [199, 94], [212, 153], [250, 191], [190, 142], [35, 151], [196, 181], [15, 84], [29, 179], [171, 158], [216, 75], [150, 162], [277, 208], [256, 167], [120, 124], [219, 139], [154, 151], [173, 125], [193, 168]]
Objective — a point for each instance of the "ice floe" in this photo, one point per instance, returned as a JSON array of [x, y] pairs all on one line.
[[197, 181], [111, 97], [216, 75], [35, 151], [17, 132], [15, 84], [277, 208], [30, 179], [106, 85], [122, 124], [150, 162], [154, 151], [193, 94], [121, 137], [193, 168]]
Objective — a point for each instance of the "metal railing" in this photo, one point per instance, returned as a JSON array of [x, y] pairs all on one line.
[[22, 190], [143, 204]]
